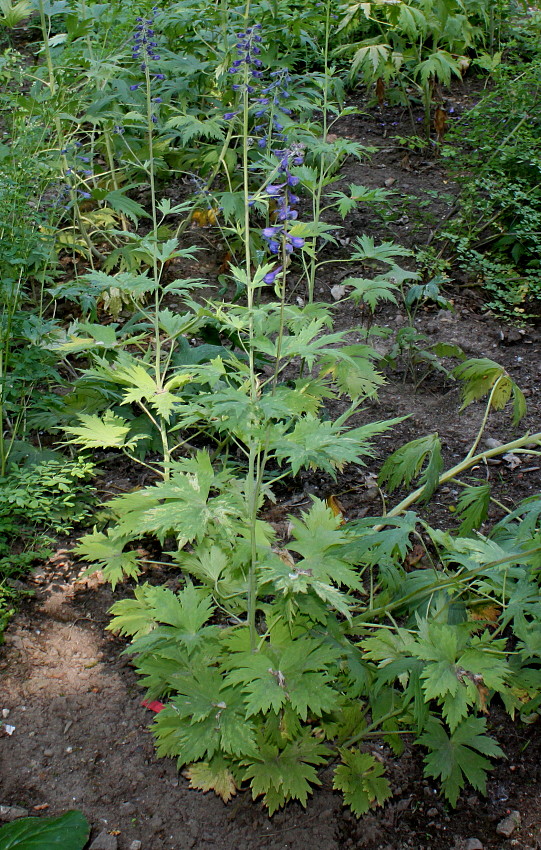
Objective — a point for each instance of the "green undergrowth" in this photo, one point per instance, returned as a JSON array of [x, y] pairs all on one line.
[[495, 151]]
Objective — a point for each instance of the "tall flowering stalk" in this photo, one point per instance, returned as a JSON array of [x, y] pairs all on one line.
[[256, 101], [249, 64], [144, 50]]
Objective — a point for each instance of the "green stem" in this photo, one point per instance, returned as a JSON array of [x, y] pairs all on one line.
[[316, 202], [373, 726], [485, 417], [465, 464], [363, 620], [254, 473]]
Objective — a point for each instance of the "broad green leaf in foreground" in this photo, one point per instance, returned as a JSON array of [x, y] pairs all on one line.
[[461, 757], [360, 778], [282, 775], [96, 433], [67, 832]]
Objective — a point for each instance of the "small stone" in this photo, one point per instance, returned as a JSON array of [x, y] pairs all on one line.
[[507, 826], [432, 813], [9, 813], [104, 841], [473, 844], [135, 845], [48, 753], [5, 713], [127, 809], [338, 291]]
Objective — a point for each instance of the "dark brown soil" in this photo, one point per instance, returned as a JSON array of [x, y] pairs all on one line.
[[81, 737]]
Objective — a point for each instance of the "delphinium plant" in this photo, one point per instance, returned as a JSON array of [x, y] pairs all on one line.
[[270, 604]]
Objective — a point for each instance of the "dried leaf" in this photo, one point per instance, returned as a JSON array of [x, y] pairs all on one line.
[[336, 507], [285, 556], [154, 705], [440, 123], [488, 613], [205, 218]]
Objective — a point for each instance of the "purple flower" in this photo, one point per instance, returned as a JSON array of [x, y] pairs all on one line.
[[296, 241], [247, 52], [271, 276], [144, 48]]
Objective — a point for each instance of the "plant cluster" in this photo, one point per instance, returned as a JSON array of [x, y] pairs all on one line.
[[495, 234]]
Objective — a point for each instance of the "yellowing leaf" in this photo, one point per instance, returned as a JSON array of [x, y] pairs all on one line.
[[212, 777], [486, 613], [336, 507], [205, 218]]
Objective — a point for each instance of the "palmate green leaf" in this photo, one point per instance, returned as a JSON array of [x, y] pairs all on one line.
[[183, 505], [405, 464], [459, 758], [306, 396], [473, 506], [309, 343], [352, 369], [385, 548], [107, 553], [385, 252], [264, 687], [136, 617], [296, 674], [204, 719], [288, 773], [324, 445], [441, 65], [360, 778], [412, 21], [296, 581], [370, 59], [108, 432], [479, 375], [318, 538], [189, 127], [119, 201], [358, 194], [371, 291], [177, 737]]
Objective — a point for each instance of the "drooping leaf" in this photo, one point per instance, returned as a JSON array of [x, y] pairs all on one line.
[[473, 506], [405, 464]]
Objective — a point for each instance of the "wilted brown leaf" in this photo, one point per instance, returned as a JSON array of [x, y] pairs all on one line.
[[440, 123], [336, 507]]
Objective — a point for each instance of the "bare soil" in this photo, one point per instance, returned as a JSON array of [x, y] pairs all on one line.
[[81, 737]]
